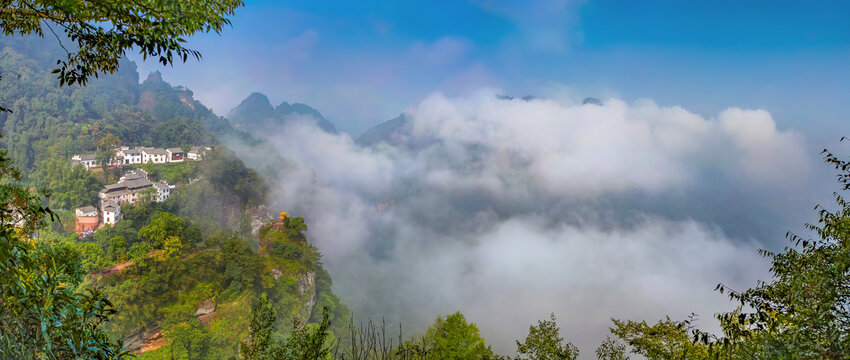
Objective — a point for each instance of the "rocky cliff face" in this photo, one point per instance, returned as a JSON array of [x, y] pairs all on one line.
[[307, 289]]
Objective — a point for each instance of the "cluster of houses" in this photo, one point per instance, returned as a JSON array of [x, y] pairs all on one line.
[[143, 155], [130, 189]]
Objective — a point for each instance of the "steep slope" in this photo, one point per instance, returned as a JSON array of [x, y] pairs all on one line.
[[183, 274], [51, 121]]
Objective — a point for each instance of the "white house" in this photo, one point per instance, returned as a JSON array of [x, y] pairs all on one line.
[[154, 155], [86, 211], [163, 190], [126, 190], [130, 157], [175, 154], [88, 160], [111, 213], [196, 153]]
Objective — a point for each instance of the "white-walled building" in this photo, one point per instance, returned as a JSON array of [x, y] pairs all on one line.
[[130, 156], [196, 153], [129, 189], [154, 155], [143, 155], [86, 211], [88, 160], [111, 213], [163, 190]]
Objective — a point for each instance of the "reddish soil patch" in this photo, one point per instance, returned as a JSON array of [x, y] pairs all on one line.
[[117, 268], [112, 270]]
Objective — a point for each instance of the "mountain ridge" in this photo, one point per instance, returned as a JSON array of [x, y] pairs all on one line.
[[256, 113]]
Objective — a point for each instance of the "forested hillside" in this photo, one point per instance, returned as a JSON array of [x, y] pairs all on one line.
[[190, 262], [182, 274], [49, 121]]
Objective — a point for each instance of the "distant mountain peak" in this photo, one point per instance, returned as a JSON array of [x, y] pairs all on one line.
[[154, 77], [592, 101], [508, 97], [257, 112], [396, 131], [256, 99]]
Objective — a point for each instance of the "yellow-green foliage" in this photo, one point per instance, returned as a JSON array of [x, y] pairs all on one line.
[[162, 291], [227, 326], [173, 173]]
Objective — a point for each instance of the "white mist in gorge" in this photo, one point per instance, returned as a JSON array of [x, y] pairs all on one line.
[[510, 209]]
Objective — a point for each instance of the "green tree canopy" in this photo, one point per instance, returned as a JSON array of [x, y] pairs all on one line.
[[452, 338], [43, 315], [102, 31], [164, 225], [309, 342], [69, 186], [544, 342]]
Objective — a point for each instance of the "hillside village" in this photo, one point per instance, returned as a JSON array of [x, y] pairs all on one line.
[[142, 155], [132, 187]]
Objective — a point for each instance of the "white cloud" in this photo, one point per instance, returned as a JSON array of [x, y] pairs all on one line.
[[765, 152], [521, 208], [588, 150]]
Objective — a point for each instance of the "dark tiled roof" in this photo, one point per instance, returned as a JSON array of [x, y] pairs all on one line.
[[113, 187], [134, 184], [119, 193]]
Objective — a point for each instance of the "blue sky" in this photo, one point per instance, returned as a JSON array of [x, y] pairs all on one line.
[[364, 62]]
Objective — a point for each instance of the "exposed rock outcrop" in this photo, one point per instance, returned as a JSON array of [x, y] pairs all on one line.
[[205, 307], [307, 288]]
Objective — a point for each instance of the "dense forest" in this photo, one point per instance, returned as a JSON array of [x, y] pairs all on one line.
[[211, 273]]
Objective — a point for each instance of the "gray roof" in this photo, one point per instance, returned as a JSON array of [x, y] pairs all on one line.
[[133, 184], [119, 193], [110, 206], [132, 176], [174, 150], [155, 151], [161, 185], [88, 157], [125, 192], [136, 172], [131, 152], [87, 209], [113, 187]]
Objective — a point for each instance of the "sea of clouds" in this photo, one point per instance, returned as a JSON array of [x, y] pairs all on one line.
[[511, 209]]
